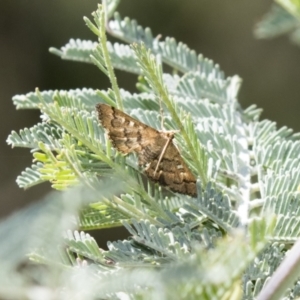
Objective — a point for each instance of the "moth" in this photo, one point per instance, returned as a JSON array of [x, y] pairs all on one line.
[[155, 149]]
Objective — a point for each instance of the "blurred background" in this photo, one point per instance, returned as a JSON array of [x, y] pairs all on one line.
[[220, 30]]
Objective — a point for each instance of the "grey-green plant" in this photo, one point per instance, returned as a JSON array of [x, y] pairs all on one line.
[[283, 18], [224, 244]]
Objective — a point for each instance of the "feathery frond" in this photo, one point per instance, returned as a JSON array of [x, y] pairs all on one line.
[[283, 18], [276, 22], [31, 176], [177, 55]]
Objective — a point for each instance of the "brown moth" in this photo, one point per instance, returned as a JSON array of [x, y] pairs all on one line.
[[155, 149]]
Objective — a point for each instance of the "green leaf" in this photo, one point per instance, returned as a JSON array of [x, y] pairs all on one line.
[[30, 177], [177, 55], [49, 134], [99, 216]]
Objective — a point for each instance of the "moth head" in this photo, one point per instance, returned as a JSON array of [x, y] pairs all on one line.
[[170, 134]]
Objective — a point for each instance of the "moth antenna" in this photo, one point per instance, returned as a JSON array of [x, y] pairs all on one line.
[[162, 153]]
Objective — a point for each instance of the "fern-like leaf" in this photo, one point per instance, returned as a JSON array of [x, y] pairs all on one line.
[[31, 176], [276, 22], [178, 56]]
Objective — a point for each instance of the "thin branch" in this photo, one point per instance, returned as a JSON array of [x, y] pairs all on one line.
[[284, 277], [103, 41]]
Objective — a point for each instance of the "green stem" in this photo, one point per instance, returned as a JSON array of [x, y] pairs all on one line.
[[153, 73], [111, 74]]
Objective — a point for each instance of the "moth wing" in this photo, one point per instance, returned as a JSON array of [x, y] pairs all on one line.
[[172, 172], [126, 133]]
